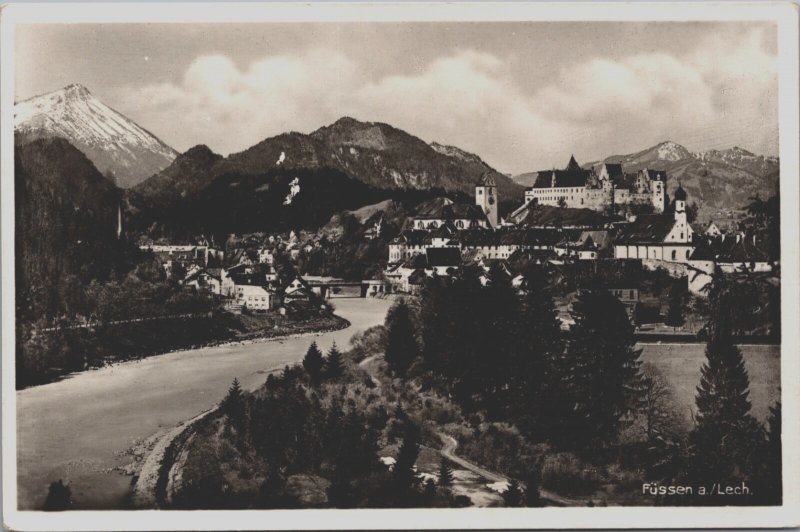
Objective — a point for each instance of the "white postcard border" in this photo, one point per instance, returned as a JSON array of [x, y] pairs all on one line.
[[786, 17]]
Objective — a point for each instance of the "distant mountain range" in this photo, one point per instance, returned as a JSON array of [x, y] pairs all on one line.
[[716, 179], [118, 147], [342, 166], [292, 178]]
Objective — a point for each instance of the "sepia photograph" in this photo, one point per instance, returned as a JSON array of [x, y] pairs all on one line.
[[362, 257]]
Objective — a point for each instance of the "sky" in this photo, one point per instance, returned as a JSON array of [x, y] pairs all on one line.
[[523, 96]]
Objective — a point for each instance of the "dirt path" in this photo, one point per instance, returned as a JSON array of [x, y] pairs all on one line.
[[448, 449]]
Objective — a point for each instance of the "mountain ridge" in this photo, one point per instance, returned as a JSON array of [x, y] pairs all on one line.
[[122, 150], [376, 154]]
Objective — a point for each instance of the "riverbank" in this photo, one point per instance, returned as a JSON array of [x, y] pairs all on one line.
[[79, 428], [254, 330]]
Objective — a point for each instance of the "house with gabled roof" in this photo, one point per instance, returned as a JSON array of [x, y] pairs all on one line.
[[209, 279]]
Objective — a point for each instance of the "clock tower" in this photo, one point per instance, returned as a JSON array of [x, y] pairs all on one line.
[[486, 198]]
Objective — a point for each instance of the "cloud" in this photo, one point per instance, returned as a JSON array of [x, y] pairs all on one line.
[[473, 100]]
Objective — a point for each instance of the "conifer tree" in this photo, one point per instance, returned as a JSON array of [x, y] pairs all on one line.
[[513, 495], [675, 316], [498, 347], [540, 371], [401, 343], [605, 381], [314, 363], [404, 477], [445, 473], [725, 439], [233, 404], [334, 366], [773, 461], [435, 322]]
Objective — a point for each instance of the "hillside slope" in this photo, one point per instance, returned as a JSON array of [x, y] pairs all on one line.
[[65, 224]]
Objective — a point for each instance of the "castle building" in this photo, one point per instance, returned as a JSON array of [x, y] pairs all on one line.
[[608, 188]]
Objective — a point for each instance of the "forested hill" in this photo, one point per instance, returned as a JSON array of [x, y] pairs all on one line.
[[298, 180], [66, 223]]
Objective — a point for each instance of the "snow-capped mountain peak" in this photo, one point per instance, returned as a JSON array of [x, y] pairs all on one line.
[[115, 144]]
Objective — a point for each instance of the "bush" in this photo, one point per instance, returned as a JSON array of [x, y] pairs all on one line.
[[565, 473], [624, 479]]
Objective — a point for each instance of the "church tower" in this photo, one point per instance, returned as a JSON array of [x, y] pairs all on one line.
[[680, 204], [486, 198]]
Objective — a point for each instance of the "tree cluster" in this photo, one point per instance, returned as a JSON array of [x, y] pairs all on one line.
[[506, 356]]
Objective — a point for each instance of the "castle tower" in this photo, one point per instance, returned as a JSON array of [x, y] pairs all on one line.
[[486, 197]]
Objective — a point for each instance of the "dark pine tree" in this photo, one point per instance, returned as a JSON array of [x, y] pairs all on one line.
[[675, 317], [540, 369], [772, 485], [334, 365], [445, 473], [314, 363], [513, 495], [404, 477], [401, 342], [499, 346], [233, 405], [726, 438], [435, 321], [605, 381]]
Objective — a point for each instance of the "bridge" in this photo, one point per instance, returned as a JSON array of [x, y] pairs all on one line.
[[330, 288]]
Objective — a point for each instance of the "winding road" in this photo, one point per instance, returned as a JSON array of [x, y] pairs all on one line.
[[448, 451], [79, 428]]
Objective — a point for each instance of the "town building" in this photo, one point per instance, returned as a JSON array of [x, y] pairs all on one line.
[[441, 211], [662, 237], [209, 279], [184, 256], [253, 297]]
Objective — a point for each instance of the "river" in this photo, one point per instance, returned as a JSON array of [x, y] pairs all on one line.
[[79, 428]]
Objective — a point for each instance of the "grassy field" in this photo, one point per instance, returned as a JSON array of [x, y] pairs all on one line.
[[680, 364]]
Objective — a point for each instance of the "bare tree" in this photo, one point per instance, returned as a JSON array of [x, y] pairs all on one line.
[[658, 416]]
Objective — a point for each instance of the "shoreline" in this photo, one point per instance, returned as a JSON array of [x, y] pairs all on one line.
[[145, 492], [343, 322]]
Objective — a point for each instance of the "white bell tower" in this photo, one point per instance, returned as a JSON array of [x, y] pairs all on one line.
[[486, 197]]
